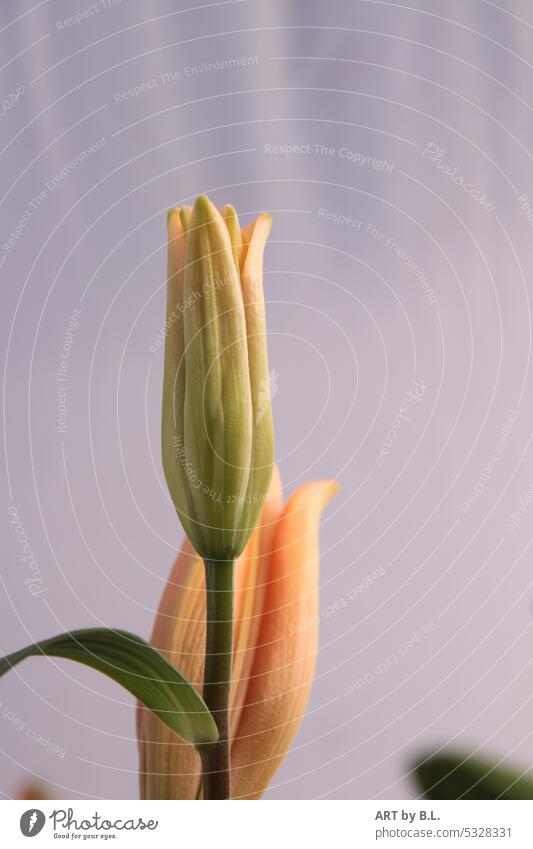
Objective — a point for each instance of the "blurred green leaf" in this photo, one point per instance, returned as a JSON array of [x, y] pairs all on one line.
[[462, 776], [137, 666]]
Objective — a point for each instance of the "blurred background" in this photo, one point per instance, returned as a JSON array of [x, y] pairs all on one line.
[[392, 143]]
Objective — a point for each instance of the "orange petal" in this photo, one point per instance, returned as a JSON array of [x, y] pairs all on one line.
[[254, 238], [284, 660], [250, 584]]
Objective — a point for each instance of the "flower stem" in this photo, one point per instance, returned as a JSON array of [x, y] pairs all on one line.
[[217, 675]]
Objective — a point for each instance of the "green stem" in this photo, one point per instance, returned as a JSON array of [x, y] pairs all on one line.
[[217, 675]]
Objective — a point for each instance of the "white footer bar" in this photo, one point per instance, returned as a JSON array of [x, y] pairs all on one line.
[[267, 825]]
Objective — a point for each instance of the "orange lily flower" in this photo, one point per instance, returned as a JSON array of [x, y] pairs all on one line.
[[275, 648]]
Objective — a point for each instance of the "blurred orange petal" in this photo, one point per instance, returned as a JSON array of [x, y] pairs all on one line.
[[284, 659]]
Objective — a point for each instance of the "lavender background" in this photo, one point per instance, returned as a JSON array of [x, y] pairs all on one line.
[[352, 324]]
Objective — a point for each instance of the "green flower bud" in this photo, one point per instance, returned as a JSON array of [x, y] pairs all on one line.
[[217, 432]]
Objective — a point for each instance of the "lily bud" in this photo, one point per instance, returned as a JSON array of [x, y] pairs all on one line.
[[217, 432], [275, 639]]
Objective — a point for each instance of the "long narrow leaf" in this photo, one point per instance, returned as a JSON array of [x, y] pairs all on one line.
[[137, 666], [462, 776]]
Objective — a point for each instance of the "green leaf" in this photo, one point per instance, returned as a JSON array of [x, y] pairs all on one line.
[[462, 776], [137, 666]]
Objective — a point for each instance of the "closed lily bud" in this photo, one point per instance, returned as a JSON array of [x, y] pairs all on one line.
[[217, 433], [275, 648]]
